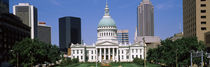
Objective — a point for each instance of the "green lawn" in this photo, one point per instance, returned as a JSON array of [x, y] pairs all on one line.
[[112, 65]]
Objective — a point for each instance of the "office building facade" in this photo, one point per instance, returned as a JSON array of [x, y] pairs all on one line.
[[44, 32], [28, 14], [122, 36], [69, 32], [145, 24], [12, 30], [196, 18], [4, 6]]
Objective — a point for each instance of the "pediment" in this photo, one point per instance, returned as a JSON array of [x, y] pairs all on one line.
[[107, 43]]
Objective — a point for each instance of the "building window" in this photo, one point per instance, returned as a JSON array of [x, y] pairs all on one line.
[[203, 0], [203, 17], [91, 57], [122, 56], [122, 51], [203, 22], [203, 28], [127, 57], [73, 51], [136, 50], [77, 51], [81, 57], [203, 11], [203, 5]]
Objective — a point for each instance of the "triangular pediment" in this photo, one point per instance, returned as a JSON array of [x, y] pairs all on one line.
[[107, 43]]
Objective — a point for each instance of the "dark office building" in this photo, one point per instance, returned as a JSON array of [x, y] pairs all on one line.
[[44, 32], [69, 32], [4, 6], [12, 30]]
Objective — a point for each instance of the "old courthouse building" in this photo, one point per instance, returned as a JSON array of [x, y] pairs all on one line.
[[107, 46]]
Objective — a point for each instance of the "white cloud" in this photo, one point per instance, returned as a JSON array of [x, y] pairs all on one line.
[[55, 2]]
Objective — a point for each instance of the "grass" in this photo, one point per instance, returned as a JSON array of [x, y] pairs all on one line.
[[112, 65]]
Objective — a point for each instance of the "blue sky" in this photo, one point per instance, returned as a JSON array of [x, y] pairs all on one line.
[[168, 15]]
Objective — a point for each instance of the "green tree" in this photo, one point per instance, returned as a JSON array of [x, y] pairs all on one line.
[[172, 52], [32, 52]]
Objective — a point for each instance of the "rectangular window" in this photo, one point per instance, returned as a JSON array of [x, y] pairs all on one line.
[[203, 22], [203, 17], [127, 57], [203, 11], [73, 51], [203, 28], [81, 57], [77, 51], [203, 5], [141, 56]]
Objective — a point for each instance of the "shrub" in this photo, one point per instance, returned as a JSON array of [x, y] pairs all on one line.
[[138, 61]]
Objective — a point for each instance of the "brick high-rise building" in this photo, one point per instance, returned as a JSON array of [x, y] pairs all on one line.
[[196, 18]]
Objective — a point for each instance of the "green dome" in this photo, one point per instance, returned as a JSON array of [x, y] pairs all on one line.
[[106, 21]]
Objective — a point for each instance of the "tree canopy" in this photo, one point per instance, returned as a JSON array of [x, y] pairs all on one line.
[[179, 50], [32, 52]]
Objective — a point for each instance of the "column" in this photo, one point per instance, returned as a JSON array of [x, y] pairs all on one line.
[[79, 55], [83, 55], [117, 55], [113, 56], [109, 53], [104, 53], [100, 55], [96, 56]]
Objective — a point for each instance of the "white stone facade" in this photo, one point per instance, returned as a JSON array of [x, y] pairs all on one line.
[[119, 53], [107, 46]]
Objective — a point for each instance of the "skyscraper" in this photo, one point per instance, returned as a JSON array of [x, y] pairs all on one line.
[[196, 18], [122, 36], [145, 24], [4, 6], [69, 32], [44, 32], [12, 30], [28, 14]]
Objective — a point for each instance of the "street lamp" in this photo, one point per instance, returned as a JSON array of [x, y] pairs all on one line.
[[145, 46], [96, 56]]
